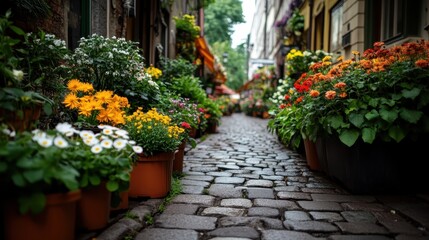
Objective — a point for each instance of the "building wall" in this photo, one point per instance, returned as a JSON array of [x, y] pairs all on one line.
[[354, 22]]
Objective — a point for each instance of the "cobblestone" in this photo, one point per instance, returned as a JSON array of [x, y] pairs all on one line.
[[243, 184]]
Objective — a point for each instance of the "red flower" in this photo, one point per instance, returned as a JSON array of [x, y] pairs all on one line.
[[185, 125]]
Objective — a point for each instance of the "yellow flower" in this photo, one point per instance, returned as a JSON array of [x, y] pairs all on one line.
[[73, 85], [71, 101], [104, 96]]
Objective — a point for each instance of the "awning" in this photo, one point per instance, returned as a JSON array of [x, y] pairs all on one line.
[[224, 90], [204, 51]]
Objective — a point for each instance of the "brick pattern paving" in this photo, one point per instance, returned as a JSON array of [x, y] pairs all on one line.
[[242, 183]]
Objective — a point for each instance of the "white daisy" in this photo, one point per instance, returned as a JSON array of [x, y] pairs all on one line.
[[45, 141], [137, 149], [106, 143], [119, 143], [60, 142], [96, 148]]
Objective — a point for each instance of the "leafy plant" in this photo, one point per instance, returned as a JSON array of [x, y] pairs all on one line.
[[382, 95], [15, 95], [153, 131], [62, 159]]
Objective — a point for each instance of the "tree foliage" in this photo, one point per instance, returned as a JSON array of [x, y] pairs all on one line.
[[235, 65], [220, 17]]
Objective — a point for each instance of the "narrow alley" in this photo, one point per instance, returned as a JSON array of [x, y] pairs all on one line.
[[241, 183]]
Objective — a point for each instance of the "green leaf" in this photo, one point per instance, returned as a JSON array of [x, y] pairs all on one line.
[[413, 93], [94, 180], [372, 114], [349, 137], [368, 135], [35, 203], [335, 121], [411, 116], [18, 180], [397, 133], [388, 115], [47, 108], [112, 186], [356, 119], [17, 30], [373, 102], [33, 175], [3, 167]]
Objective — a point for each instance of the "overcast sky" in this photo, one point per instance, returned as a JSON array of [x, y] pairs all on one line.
[[242, 30]]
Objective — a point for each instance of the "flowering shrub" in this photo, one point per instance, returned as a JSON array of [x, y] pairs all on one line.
[[187, 32], [153, 131], [95, 107], [187, 24], [382, 94], [40, 162], [113, 64], [299, 62]]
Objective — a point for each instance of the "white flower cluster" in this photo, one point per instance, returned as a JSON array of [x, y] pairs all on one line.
[[110, 137]]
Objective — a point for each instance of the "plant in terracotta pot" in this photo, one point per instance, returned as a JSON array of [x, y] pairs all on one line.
[[369, 107], [34, 164], [39, 182], [160, 138], [212, 113], [20, 106]]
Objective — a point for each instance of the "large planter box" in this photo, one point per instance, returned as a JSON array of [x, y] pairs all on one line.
[[379, 167]]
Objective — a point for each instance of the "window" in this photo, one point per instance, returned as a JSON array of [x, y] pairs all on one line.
[[336, 27], [392, 18]]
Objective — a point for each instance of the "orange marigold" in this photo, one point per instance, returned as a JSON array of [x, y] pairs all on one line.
[[330, 94], [422, 63], [314, 93], [340, 85]]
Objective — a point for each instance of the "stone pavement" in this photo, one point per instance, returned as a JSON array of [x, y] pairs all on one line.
[[241, 183]]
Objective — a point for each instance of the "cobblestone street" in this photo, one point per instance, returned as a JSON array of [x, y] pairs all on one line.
[[241, 183]]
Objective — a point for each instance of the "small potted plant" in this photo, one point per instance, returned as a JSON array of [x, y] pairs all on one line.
[[160, 138], [20, 107]]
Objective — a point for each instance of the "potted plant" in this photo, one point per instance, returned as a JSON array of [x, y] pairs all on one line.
[[160, 138], [20, 107], [185, 114], [113, 64], [187, 32], [38, 182], [368, 108], [212, 114]]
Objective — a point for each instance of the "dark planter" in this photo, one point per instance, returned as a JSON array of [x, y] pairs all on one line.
[[379, 167]]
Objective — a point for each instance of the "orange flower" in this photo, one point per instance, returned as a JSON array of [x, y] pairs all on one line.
[[422, 63], [340, 85], [343, 95], [330, 94], [71, 101], [314, 93], [73, 85]]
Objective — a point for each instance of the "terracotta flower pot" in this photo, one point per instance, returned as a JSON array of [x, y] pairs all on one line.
[[311, 155], [24, 120], [94, 208], [57, 221], [151, 176], [178, 158], [123, 202]]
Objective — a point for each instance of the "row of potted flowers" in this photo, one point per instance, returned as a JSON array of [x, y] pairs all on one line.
[[104, 113], [367, 114]]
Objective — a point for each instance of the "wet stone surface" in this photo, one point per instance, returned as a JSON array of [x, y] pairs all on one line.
[[242, 183]]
